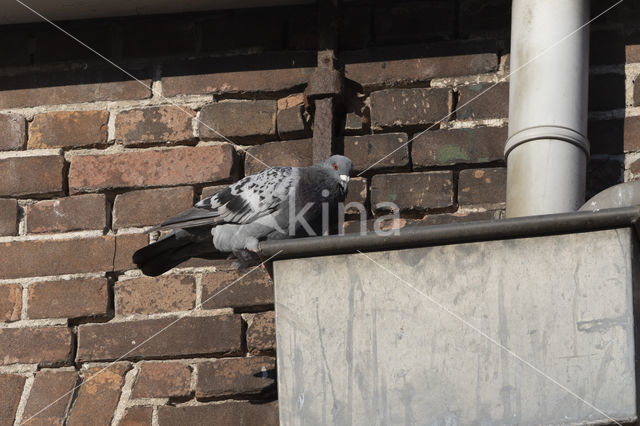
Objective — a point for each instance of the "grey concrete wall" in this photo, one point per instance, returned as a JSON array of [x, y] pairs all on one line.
[[357, 345]]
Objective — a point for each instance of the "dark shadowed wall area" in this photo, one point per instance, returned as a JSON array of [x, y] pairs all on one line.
[[90, 158]]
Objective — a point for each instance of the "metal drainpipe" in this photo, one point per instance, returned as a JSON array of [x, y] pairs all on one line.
[[547, 149]]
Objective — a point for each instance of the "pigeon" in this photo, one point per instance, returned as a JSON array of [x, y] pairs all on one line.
[[276, 203]]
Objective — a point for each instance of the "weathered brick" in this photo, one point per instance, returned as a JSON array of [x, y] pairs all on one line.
[[151, 168], [56, 257], [227, 413], [77, 83], [188, 336], [636, 92], [473, 104], [377, 152], [68, 298], [269, 72], [73, 213], [261, 333], [8, 217], [137, 416], [415, 21], [413, 191], [10, 302], [220, 33], [478, 186], [296, 153], [126, 245], [162, 380], [13, 132], [254, 289], [10, 392], [614, 136], [445, 218], [236, 376], [247, 121], [380, 67], [158, 37], [67, 129], [606, 91], [164, 124], [408, 107], [50, 397], [42, 345], [150, 206], [357, 192], [32, 175], [106, 382], [291, 123], [446, 147], [52, 45], [147, 295]]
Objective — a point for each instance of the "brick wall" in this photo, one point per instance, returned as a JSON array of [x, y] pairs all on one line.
[[90, 158]]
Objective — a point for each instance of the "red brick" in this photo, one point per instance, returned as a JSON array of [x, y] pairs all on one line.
[[13, 132], [245, 413], [56, 257], [148, 295], [295, 153], [50, 396], [126, 245], [151, 168], [357, 192], [99, 395], [429, 220], [279, 73], [446, 147], [78, 83], [254, 289], [236, 376], [261, 333], [150, 206], [379, 152], [408, 107], [42, 345], [164, 124], [10, 302], [473, 104], [73, 213], [68, 129], [68, 298], [186, 336], [33, 175], [162, 380], [246, 121], [414, 191], [479, 186], [291, 123], [10, 392], [137, 416], [377, 74], [8, 217]]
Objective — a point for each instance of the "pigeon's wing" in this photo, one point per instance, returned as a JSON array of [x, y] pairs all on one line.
[[243, 202]]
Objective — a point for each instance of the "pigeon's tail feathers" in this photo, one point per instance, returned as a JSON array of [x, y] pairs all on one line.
[[190, 219], [169, 252]]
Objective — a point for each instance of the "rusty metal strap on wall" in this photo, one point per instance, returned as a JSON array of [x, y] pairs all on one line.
[[326, 84]]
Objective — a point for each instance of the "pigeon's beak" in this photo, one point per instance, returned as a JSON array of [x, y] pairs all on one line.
[[344, 181]]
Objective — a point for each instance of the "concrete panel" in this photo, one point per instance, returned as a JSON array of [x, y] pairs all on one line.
[[357, 345]]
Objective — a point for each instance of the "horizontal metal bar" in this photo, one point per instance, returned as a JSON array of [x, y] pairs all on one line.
[[420, 236]]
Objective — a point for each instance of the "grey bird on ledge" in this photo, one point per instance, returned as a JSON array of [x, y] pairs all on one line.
[[277, 203]]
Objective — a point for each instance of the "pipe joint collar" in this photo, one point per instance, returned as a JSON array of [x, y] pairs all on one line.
[[547, 132]]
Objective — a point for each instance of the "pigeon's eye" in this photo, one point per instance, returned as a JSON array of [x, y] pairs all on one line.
[[335, 166]]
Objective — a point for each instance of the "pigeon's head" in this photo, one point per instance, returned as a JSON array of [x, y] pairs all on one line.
[[342, 166]]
